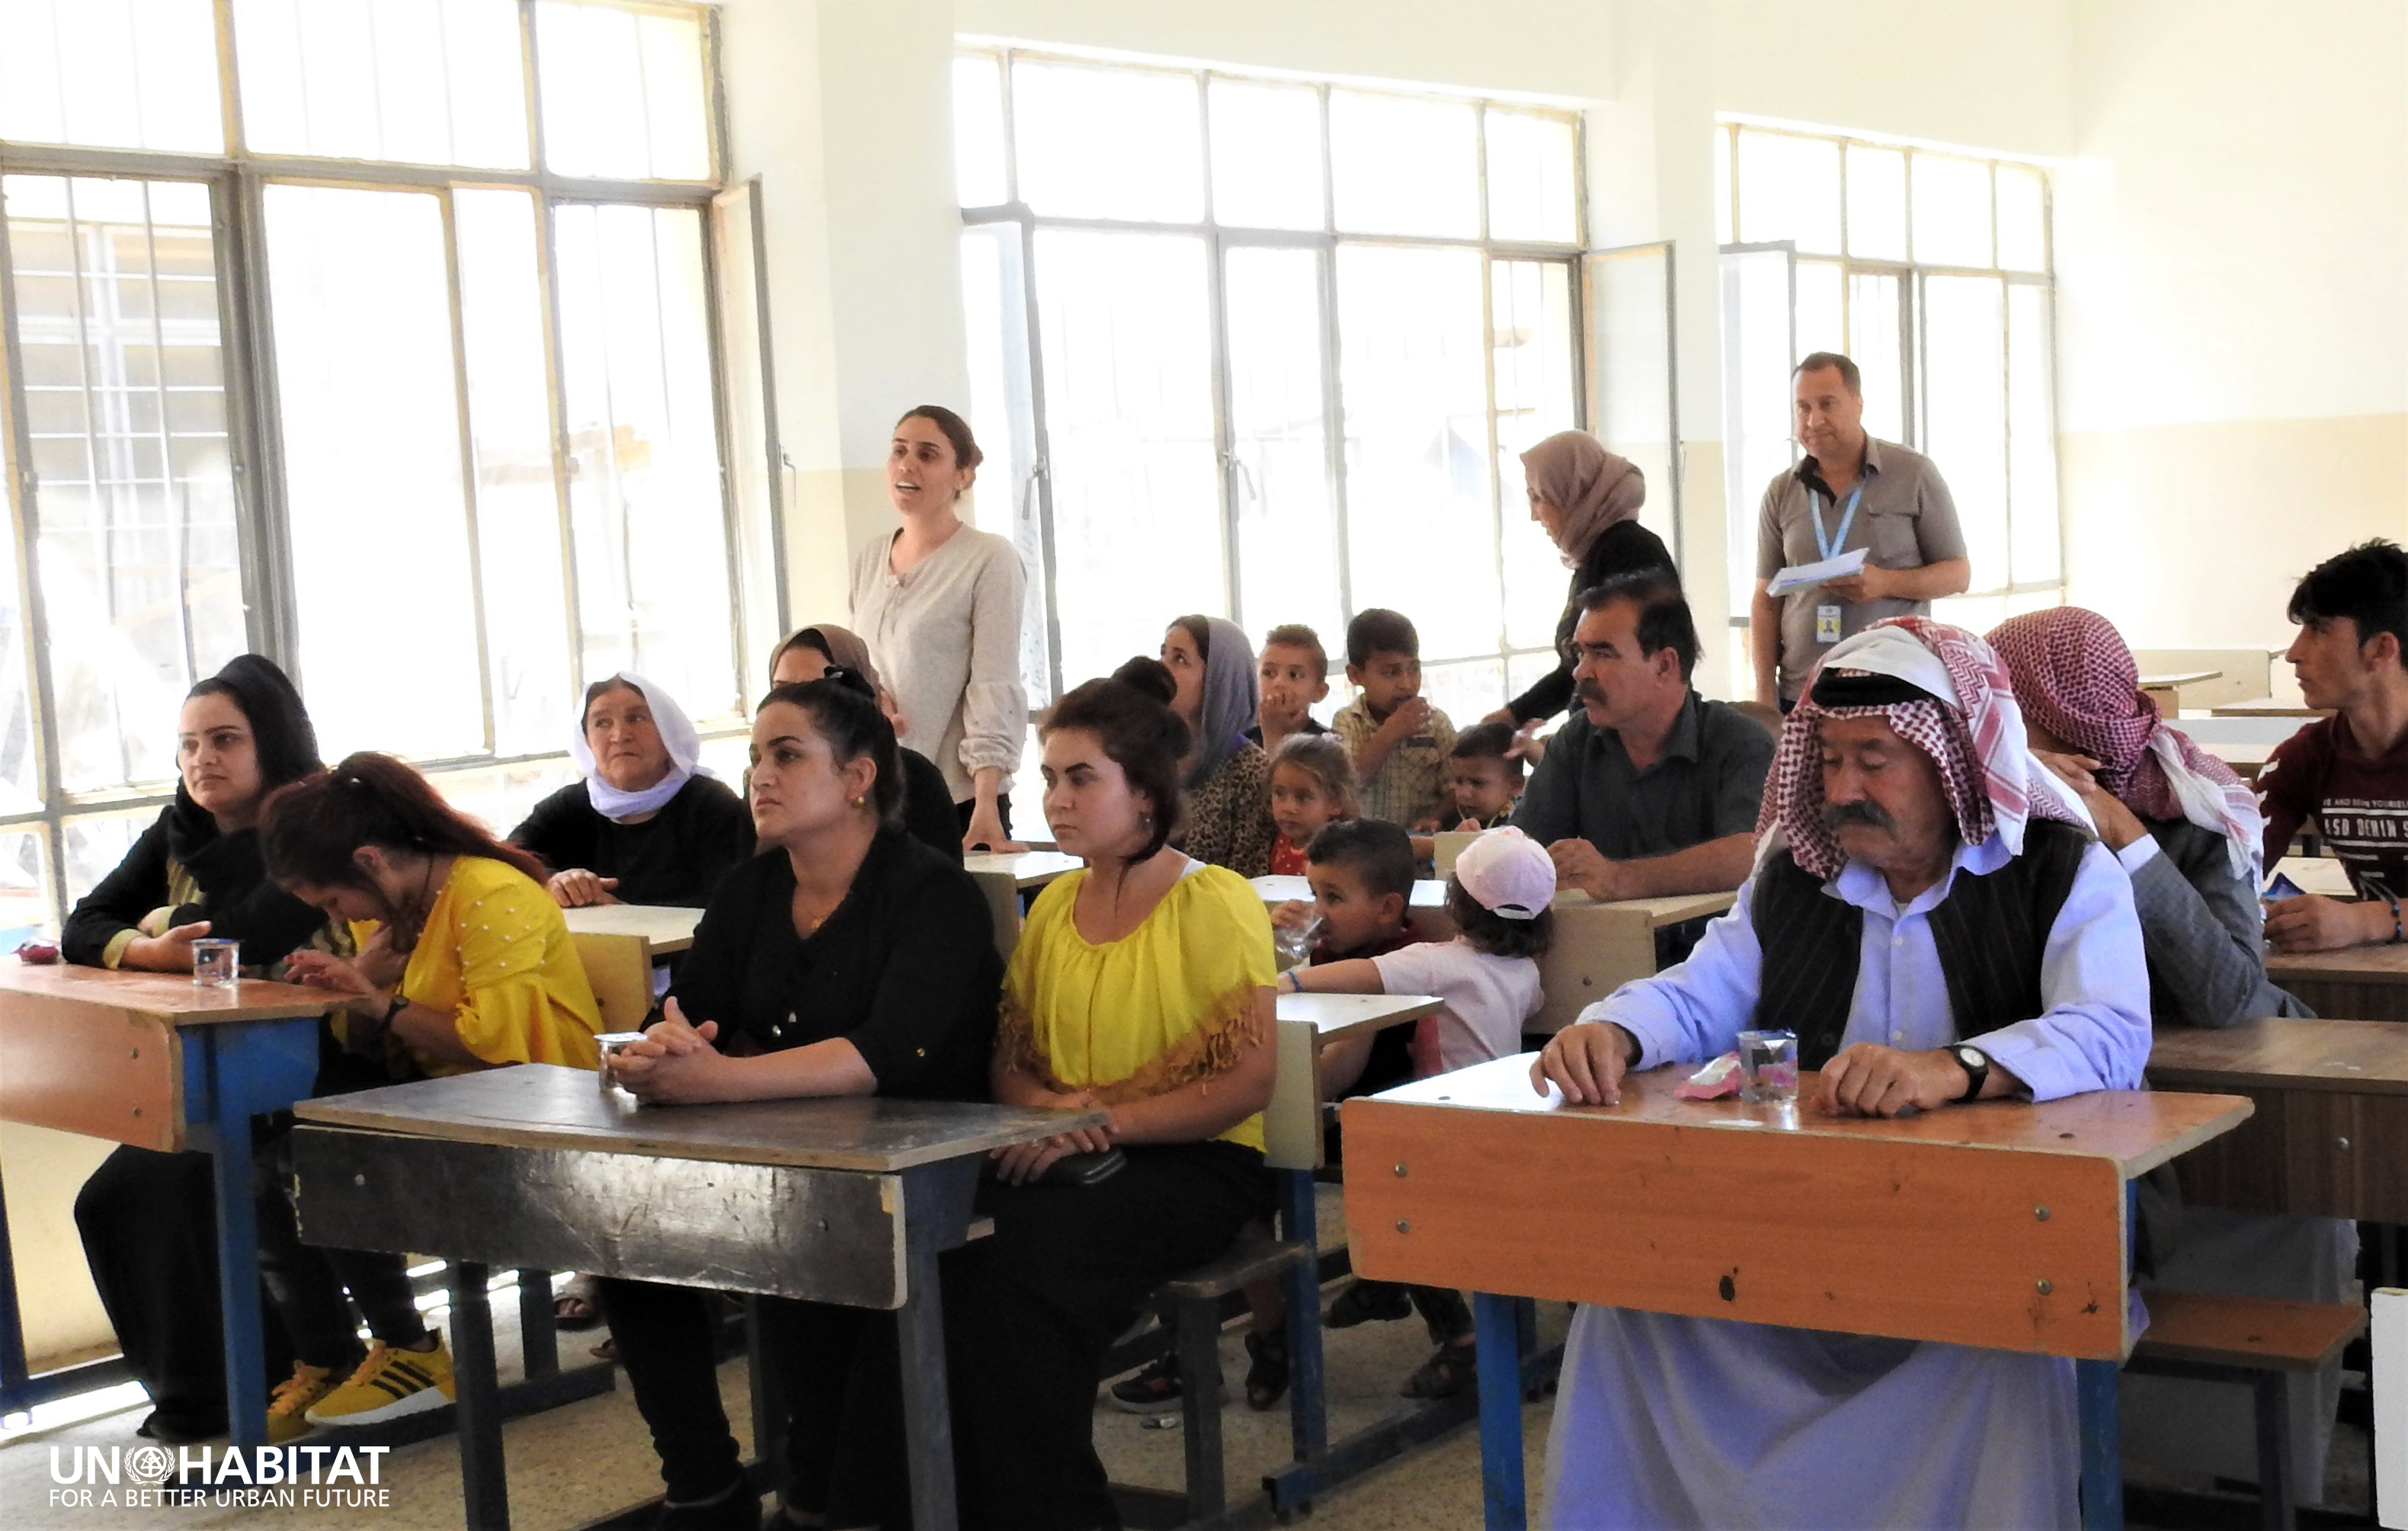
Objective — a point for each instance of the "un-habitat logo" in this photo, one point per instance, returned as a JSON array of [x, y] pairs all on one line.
[[265, 1477]]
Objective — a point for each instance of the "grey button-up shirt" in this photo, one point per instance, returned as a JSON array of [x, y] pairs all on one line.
[[1905, 519], [1707, 784]]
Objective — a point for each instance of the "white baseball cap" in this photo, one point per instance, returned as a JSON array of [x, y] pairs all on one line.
[[1507, 874]]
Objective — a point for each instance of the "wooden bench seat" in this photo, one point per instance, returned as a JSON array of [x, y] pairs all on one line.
[[2262, 1341]]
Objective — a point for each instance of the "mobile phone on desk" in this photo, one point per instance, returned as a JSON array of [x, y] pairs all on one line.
[[2280, 887]]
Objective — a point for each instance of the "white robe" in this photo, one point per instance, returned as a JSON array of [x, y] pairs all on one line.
[[1663, 1420]]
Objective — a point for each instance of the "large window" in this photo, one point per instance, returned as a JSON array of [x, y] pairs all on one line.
[[402, 371], [1931, 269], [1269, 350]]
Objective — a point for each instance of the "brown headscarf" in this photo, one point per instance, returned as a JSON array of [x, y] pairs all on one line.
[[1594, 488], [843, 647]]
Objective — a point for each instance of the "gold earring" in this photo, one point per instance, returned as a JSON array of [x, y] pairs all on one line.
[[861, 802]]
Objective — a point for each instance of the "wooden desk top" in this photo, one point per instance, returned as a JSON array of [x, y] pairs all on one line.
[[2178, 677], [1026, 868], [544, 1106], [2386, 964], [170, 999], [2355, 1057], [2260, 728], [665, 927], [2138, 1129], [1334, 1016], [2267, 708]]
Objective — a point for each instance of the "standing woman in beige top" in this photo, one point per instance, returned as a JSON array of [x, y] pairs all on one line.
[[939, 603]]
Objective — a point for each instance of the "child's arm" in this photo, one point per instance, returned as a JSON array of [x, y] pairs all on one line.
[[1354, 976], [1372, 752], [1342, 1063]]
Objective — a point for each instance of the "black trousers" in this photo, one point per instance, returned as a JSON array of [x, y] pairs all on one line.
[[149, 1225], [838, 1372], [1030, 1311]]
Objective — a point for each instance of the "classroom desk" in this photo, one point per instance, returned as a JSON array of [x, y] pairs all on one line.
[[2268, 708], [1956, 1192], [2167, 686], [1027, 870], [2358, 982], [2329, 1133], [153, 1060], [666, 929], [845, 1201]]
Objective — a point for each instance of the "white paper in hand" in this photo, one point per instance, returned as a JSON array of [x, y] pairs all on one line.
[[1799, 575]]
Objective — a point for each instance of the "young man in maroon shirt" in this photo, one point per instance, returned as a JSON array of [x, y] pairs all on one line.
[[2349, 771]]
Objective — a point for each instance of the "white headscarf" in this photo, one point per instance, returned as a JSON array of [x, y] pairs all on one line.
[[677, 734]]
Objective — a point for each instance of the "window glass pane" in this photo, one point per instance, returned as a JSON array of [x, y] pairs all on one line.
[[124, 394], [1952, 211], [1531, 302], [1266, 155], [1400, 164], [1965, 411], [1533, 185], [1758, 408], [1108, 143], [353, 273], [96, 843], [1128, 400], [116, 74], [1876, 203], [500, 796], [1466, 692], [1003, 417], [425, 81], [1287, 528], [517, 497], [1873, 346], [26, 910], [1789, 189], [646, 511], [623, 91], [2031, 434], [978, 130], [1410, 344], [2023, 222], [1820, 323]]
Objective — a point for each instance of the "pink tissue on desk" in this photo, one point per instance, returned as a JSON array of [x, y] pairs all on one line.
[[1718, 1079], [38, 953]]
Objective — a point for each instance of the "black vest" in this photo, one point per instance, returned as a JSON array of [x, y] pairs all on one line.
[[1991, 931]]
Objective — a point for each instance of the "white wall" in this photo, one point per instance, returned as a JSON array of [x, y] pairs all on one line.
[[2232, 274]]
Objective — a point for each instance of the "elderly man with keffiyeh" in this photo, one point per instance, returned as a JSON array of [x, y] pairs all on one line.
[[1932, 915]]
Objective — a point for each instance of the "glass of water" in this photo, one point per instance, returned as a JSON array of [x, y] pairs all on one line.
[[213, 963], [1767, 1061], [609, 1044], [1294, 943]]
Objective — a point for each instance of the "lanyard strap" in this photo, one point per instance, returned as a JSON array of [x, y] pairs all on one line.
[[1830, 547]]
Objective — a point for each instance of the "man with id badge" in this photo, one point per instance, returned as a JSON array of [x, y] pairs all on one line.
[[1858, 531]]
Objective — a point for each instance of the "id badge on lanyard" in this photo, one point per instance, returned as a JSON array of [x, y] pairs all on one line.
[[1826, 614]]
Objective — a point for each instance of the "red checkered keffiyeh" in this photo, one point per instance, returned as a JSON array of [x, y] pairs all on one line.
[[2074, 678], [1974, 735]]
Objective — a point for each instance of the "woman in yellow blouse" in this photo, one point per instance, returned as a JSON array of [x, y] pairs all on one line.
[[464, 963], [1141, 984]]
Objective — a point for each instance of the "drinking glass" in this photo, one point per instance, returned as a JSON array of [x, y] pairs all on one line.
[[1769, 1062], [213, 963]]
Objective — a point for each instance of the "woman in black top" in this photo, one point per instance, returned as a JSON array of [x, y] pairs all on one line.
[[147, 1220], [1587, 499], [847, 959], [645, 826], [928, 810]]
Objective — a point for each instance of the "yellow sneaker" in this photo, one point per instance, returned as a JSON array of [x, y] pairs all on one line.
[[288, 1407], [389, 1385]]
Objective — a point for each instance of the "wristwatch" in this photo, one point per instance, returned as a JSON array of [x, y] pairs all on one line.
[[1976, 1065]]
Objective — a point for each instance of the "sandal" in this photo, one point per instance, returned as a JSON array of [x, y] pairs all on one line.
[[1366, 1301], [1266, 1378], [577, 1305], [1448, 1372]]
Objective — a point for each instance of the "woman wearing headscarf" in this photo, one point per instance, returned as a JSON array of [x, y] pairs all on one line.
[[1588, 500], [1228, 776], [2185, 827], [2189, 832], [147, 1220], [646, 825], [807, 654]]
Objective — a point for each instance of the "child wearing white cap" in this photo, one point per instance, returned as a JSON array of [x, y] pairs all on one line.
[[1488, 975]]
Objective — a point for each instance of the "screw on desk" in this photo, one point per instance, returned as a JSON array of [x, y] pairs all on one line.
[[1404, 1225], [2046, 1286], [1400, 1172], [2040, 1213], [2341, 1145]]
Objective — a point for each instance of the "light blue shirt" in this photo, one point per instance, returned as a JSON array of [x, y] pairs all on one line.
[[2092, 1034]]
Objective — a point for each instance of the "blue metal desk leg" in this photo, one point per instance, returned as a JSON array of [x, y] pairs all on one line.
[[230, 1168], [1501, 1411], [927, 1417], [2102, 1454], [1309, 1412]]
